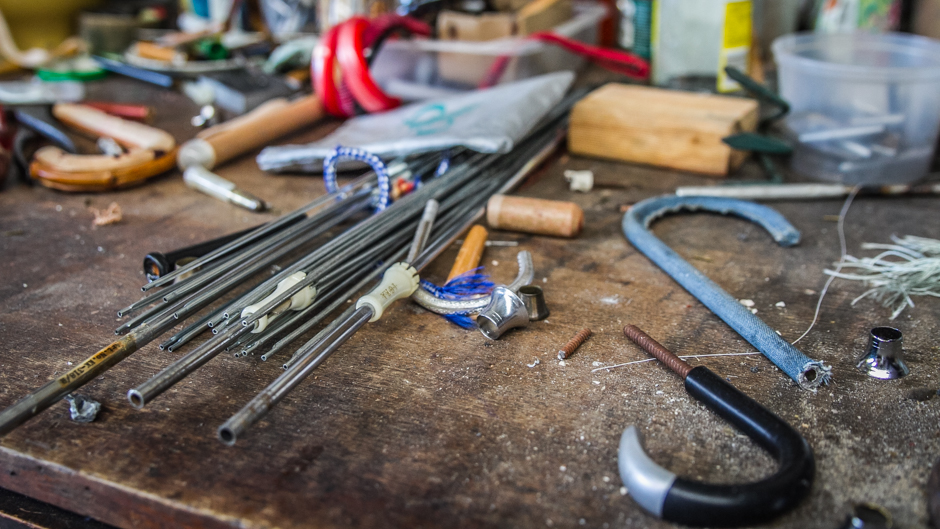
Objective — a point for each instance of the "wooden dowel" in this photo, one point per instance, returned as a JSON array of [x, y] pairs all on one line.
[[533, 215]]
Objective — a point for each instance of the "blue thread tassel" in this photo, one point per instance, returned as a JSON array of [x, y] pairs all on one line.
[[463, 320], [469, 284]]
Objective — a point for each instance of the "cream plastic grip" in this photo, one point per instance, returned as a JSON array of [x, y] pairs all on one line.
[[400, 281], [298, 301]]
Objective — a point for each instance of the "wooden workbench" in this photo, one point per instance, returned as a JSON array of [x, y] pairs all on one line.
[[418, 423]]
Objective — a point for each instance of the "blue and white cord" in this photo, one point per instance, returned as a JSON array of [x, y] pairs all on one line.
[[351, 153]]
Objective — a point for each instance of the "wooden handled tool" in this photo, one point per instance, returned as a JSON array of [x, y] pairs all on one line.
[[243, 134], [130, 134], [151, 151], [51, 170], [471, 251]]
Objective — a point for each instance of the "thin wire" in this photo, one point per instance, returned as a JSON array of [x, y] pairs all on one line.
[[843, 252], [686, 356]]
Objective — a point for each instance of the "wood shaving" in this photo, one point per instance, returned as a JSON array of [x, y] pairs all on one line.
[[112, 215]]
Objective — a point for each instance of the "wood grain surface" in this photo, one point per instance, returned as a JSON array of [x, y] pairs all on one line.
[[664, 128], [418, 423]]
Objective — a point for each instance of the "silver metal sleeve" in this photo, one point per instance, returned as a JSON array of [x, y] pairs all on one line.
[[647, 482], [526, 271], [453, 306]]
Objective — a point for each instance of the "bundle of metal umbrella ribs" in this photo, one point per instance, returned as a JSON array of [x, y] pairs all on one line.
[[132, 153], [356, 238]]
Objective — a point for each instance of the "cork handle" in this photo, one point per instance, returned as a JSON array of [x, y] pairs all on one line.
[[533, 215]]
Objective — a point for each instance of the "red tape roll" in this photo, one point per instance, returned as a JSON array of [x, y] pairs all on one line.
[[323, 68]]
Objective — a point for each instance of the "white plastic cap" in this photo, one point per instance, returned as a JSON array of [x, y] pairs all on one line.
[[298, 301], [400, 281]]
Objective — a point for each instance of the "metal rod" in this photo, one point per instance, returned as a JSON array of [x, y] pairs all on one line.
[[305, 230], [81, 374], [190, 332], [178, 370], [424, 229], [312, 354], [183, 366], [261, 231], [56, 389], [371, 276], [162, 318], [313, 357]]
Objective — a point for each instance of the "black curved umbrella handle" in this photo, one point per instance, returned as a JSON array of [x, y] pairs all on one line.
[[688, 502]]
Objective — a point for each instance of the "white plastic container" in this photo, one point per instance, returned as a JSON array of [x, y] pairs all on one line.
[[865, 108], [410, 68]]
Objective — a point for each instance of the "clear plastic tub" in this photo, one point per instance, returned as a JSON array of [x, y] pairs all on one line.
[[420, 68], [865, 108]]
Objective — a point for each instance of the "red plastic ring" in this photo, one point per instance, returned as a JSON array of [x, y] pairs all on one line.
[[349, 54], [322, 69]]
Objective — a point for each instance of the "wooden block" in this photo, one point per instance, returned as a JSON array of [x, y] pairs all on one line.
[[667, 128], [453, 25], [542, 15]]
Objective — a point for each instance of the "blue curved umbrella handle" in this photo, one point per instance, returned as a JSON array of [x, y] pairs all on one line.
[[808, 373]]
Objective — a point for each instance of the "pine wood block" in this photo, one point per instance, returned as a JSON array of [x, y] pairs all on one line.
[[667, 128]]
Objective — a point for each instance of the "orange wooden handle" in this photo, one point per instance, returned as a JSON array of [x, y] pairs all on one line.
[[261, 126], [471, 251], [149, 50]]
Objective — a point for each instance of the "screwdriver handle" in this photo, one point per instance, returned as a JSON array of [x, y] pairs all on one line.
[[221, 143], [157, 264], [400, 281]]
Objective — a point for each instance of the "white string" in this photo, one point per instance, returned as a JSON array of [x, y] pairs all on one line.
[[686, 356], [842, 254], [893, 282]]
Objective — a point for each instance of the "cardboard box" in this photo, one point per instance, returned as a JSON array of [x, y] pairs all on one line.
[[539, 15]]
